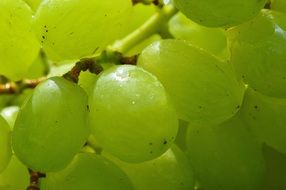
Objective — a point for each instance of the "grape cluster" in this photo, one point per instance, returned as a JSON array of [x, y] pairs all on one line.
[[142, 95]]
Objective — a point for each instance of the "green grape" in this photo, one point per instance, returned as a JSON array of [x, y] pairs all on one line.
[[131, 115], [279, 5], [259, 57], [15, 176], [276, 169], [88, 172], [51, 125], [5, 144], [18, 44], [10, 114], [210, 39], [266, 117], [170, 171], [225, 156], [34, 4], [217, 13], [77, 28], [203, 88]]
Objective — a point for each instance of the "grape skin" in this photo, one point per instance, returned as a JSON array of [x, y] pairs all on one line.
[[74, 29], [51, 125], [226, 156], [5, 144], [131, 115], [220, 13], [203, 88], [88, 172]]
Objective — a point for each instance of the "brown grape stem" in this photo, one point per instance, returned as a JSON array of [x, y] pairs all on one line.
[[34, 180], [19, 86]]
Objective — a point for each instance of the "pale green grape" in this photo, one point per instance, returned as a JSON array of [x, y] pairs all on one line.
[[210, 39], [5, 144], [88, 172], [226, 156], [131, 115], [76, 28], [279, 5], [204, 89], [216, 13], [258, 52], [276, 170], [34, 4], [15, 176], [18, 44], [171, 171], [51, 126], [266, 117], [10, 114]]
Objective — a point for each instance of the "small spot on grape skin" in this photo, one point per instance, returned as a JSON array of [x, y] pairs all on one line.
[[87, 107], [165, 142], [256, 107], [151, 152], [150, 143]]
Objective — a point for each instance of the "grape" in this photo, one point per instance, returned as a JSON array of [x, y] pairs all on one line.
[[210, 39], [266, 117], [51, 126], [171, 171], [10, 114], [226, 156], [259, 57], [18, 44], [77, 28], [88, 172], [15, 176], [217, 13], [204, 89], [5, 145], [131, 115], [276, 169], [279, 5]]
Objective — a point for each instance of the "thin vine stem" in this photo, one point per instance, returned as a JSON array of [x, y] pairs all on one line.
[[150, 27]]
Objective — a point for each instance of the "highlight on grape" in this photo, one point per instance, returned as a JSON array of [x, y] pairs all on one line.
[[142, 94]]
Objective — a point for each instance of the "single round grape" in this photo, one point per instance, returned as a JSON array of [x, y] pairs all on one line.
[[18, 44], [226, 156], [258, 52], [217, 13], [88, 172], [212, 40], [77, 28], [170, 171], [203, 88], [10, 114], [15, 176], [5, 144], [51, 126], [266, 117], [131, 115]]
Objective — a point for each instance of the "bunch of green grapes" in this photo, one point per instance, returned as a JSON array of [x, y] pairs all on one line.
[[195, 100]]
